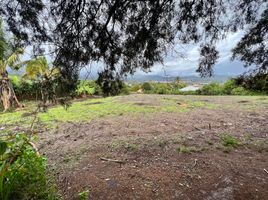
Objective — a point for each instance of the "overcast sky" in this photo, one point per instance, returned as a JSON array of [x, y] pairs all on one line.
[[176, 65]]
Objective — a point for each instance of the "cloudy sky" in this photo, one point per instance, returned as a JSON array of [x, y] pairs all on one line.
[[183, 60], [175, 65]]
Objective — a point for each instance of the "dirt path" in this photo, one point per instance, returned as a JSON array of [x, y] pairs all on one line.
[[165, 155]]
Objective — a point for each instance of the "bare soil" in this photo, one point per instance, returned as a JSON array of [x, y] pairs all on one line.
[[153, 166]]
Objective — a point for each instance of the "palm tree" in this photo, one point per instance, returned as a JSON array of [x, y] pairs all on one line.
[[36, 69], [39, 70], [12, 60], [7, 93]]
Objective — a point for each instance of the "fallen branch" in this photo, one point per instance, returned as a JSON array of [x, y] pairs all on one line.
[[265, 170], [112, 160]]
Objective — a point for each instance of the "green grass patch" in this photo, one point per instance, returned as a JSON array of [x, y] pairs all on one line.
[[187, 149], [229, 141], [84, 111]]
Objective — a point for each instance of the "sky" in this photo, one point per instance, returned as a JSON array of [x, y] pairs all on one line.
[[176, 65]]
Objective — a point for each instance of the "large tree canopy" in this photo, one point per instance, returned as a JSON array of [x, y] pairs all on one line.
[[129, 34]]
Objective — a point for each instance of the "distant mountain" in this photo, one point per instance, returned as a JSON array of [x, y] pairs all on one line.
[[187, 79]]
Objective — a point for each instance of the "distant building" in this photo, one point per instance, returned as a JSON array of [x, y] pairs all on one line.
[[190, 88]]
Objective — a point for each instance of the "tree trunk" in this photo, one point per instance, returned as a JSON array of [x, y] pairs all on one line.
[[7, 94]]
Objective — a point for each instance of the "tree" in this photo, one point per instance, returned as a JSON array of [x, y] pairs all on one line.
[[39, 70], [253, 47], [7, 94], [127, 35]]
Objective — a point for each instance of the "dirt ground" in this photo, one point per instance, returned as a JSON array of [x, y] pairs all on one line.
[[165, 155]]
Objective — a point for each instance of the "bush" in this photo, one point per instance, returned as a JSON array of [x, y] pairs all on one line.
[[25, 89], [135, 88], [162, 88], [239, 91], [23, 172], [212, 89], [125, 90], [89, 87], [146, 87], [254, 82], [228, 86]]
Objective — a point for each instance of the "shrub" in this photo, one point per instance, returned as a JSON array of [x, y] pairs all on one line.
[[255, 82], [239, 91], [23, 172], [135, 88], [228, 86], [146, 87], [25, 89], [212, 89], [86, 88], [125, 89], [161, 88]]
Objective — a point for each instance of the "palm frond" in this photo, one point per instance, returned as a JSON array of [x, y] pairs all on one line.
[[36, 67]]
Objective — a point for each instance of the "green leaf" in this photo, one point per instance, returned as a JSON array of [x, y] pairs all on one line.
[[3, 147]]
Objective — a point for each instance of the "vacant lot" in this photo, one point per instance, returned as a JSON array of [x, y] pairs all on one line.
[[165, 147]]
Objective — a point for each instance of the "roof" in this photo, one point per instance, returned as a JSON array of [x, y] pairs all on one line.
[[190, 88]]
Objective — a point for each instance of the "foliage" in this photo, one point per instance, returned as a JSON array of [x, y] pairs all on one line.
[[252, 48], [230, 87], [111, 84], [162, 88], [83, 195], [146, 87], [254, 82], [9, 58], [23, 171], [212, 89], [135, 87], [89, 87], [25, 89], [239, 91], [128, 35]]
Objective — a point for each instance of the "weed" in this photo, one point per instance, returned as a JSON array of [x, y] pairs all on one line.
[[210, 142], [229, 140], [131, 147], [187, 149], [84, 195], [260, 146], [121, 143], [162, 143]]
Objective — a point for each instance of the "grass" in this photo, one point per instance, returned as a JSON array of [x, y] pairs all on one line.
[[162, 143], [118, 144], [87, 110], [229, 141], [187, 149], [260, 146], [84, 111]]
